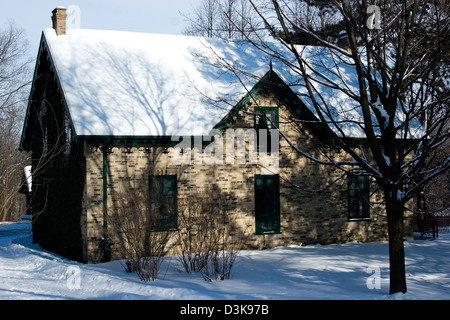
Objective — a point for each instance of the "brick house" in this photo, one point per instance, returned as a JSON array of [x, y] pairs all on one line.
[[107, 111]]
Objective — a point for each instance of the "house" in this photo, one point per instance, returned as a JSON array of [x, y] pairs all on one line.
[[115, 115]]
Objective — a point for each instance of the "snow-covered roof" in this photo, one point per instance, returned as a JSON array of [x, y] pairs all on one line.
[[137, 84], [122, 83]]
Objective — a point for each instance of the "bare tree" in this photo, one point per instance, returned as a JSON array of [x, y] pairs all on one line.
[[391, 83], [12, 164], [227, 19], [396, 54], [203, 22], [13, 65], [14, 80]]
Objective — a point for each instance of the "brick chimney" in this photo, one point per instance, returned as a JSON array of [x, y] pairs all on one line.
[[59, 20]]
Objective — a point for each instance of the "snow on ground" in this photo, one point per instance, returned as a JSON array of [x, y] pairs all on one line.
[[345, 271]]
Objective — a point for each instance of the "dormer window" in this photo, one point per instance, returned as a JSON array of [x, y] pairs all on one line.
[[266, 120]]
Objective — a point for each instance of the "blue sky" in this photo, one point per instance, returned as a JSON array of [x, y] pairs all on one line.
[[161, 16]]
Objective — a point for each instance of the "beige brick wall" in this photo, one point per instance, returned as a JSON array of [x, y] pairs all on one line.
[[92, 214], [306, 217]]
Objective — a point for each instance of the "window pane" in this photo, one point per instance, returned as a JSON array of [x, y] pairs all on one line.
[[164, 202], [271, 118], [266, 118], [358, 197]]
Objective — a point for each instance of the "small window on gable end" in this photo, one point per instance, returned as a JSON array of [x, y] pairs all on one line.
[[358, 197], [163, 198], [266, 119]]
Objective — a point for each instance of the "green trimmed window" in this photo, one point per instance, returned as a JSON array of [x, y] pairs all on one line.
[[266, 118], [267, 204], [358, 197], [163, 199]]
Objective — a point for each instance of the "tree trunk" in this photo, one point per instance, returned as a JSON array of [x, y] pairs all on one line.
[[394, 210]]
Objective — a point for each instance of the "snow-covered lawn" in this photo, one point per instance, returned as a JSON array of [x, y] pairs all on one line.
[[346, 271]]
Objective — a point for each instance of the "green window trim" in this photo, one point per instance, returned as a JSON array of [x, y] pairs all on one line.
[[270, 112], [163, 202], [267, 204], [358, 197]]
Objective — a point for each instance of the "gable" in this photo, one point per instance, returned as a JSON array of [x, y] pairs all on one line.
[[272, 83], [44, 80]]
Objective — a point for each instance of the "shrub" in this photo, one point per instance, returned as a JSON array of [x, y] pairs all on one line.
[[206, 240], [139, 244]]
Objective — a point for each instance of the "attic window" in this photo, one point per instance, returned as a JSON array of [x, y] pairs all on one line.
[[266, 120]]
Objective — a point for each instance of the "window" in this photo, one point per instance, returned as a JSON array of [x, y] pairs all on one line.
[[266, 118], [358, 197], [164, 202], [267, 204]]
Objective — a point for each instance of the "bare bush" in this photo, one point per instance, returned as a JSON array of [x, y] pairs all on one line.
[[195, 237], [141, 245], [209, 244], [221, 262], [14, 83]]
